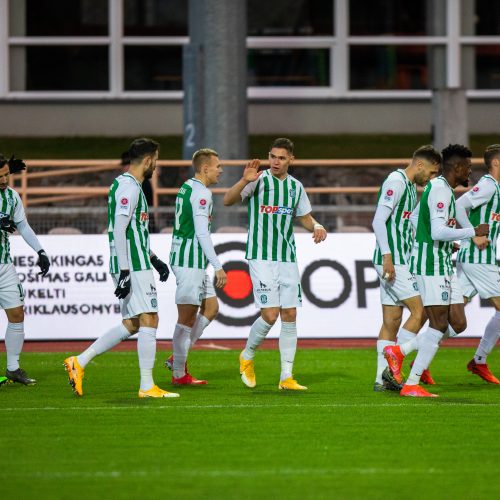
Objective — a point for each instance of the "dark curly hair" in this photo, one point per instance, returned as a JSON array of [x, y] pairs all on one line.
[[453, 154]]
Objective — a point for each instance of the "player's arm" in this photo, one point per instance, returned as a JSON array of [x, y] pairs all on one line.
[[303, 211], [390, 196], [311, 224], [439, 206], [29, 236], [126, 204], [200, 206], [414, 216], [250, 174]]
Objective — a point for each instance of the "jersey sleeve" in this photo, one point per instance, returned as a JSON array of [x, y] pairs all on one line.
[[303, 205], [200, 202], [439, 202], [127, 197], [19, 214], [481, 193], [391, 192], [248, 191]]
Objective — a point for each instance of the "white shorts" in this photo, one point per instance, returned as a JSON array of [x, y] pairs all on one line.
[[402, 288], [11, 290], [193, 285], [142, 297], [440, 290], [479, 278], [275, 284]]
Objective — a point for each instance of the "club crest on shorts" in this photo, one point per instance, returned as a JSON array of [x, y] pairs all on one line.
[[444, 296], [154, 303], [263, 298]]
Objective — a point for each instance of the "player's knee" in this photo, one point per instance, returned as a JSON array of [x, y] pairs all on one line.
[[459, 325], [419, 316], [270, 317], [15, 315]]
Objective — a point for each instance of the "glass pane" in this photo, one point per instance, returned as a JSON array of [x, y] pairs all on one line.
[[487, 66], [288, 67], [486, 17], [60, 68], [290, 17], [389, 67], [155, 17], [59, 18], [153, 68], [396, 17]]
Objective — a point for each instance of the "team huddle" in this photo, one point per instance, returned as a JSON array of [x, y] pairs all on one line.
[[413, 258]]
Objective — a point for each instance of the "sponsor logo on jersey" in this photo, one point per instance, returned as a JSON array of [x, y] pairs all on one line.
[[124, 201], [203, 202], [263, 288], [144, 217], [406, 214], [495, 217], [182, 190], [475, 189], [275, 210], [389, 192], [452, 222], [440, 205]]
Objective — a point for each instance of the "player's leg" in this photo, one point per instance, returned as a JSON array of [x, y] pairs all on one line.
[[209, 309], [12, 301], [14, 340], [391, 321], [290, 297], [266, 296], [483, 279], [75, 365]]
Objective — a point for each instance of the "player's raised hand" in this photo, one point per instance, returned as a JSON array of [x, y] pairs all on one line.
[[482, 229], [319, 233], [481, 242], [161, 267], [220, 278], [251, 172]]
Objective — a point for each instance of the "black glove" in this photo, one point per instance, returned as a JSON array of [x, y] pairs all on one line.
[[16, 166], [123, 288], [43, 262], [7, 224], [161, 267]]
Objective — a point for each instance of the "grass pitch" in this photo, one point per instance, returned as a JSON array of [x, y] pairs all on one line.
[[338, 440]]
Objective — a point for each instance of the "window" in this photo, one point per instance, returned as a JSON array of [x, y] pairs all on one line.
[[389, 67], [153, 68], [50, 68], [487, 59], [288, 67], [155, 18], [290, 17], [486, 17], [59, 18]]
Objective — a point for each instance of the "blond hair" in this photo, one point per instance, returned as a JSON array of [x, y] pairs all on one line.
[[202, 155]]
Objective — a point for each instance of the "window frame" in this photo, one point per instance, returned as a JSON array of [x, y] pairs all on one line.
[[339, 45]]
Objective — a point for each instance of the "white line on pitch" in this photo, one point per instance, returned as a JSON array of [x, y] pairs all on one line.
[[219, 473], [298, 405]]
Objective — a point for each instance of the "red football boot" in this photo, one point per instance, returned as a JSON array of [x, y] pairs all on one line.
[[188, 380], [416, 391], [426, 377], [483, 371], [394, 357]]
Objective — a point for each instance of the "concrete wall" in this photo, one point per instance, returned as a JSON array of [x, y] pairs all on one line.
[[52, 119]]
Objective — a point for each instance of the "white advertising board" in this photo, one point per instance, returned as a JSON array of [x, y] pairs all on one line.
[[76, 301]]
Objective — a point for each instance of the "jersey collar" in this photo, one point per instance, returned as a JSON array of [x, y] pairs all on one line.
[[446, 182], [126, 174]]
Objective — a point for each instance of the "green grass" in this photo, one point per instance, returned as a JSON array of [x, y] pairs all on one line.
[[338, 440], [306, 146]]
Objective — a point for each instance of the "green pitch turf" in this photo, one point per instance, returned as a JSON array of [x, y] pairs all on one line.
[[338, 440]]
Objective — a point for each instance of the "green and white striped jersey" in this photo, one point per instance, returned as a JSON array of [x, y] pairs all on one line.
[[193, 199], [485, 201], [11, 205], [126, 198], [400, 195], [272, 204], [429, 257]]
